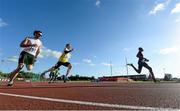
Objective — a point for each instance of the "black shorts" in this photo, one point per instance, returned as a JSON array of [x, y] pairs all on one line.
[[59, 63], [26, 58]]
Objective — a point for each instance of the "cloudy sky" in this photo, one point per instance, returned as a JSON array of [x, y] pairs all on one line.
[[100, 31]]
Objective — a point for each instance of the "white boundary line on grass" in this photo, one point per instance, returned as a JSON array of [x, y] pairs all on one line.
[[87, 103]]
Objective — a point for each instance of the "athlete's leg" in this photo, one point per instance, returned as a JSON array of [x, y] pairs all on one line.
[[139, 68], [29, 61], [50, 77], [14, 73], [29, 67], [55, 77], [150, 71], [69, 66], [52, 68], [58, 64], [69, 69]]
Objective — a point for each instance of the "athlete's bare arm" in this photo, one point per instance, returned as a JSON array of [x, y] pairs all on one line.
[[26, 43], [146, 60], [141, 57], [65, 51], [37, 52]]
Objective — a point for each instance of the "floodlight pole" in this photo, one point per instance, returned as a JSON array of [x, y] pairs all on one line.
[[126, 66]]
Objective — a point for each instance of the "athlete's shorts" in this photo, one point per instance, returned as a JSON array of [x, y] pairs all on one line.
[[26, 58], [59, 63], [141, 63]]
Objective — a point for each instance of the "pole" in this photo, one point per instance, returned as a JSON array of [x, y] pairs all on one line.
[[126, 66]]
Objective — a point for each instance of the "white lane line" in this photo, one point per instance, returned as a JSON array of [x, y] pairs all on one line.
[[87, 103]]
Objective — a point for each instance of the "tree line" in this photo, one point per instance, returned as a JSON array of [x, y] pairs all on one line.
[[31, 75]]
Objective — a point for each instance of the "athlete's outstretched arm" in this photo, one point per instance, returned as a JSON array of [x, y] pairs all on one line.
[[146, 59], [65, 51]]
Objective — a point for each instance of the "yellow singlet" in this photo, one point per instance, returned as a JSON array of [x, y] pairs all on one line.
[[63, 58]]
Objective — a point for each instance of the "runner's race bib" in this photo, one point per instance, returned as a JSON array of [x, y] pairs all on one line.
[[33, 49]]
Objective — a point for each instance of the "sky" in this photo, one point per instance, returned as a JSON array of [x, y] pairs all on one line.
[[103, 33]]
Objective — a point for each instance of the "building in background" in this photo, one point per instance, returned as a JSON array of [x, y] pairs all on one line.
[[141, 77], [167, 77]]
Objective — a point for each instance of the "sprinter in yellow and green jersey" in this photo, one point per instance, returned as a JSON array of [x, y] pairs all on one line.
[[64, 60]]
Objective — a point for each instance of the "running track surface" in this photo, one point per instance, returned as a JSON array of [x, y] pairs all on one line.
[[94, 96]]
